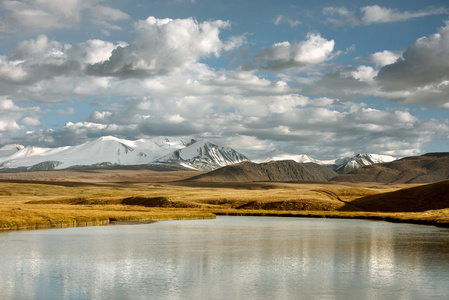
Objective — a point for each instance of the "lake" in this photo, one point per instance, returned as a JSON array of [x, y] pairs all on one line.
[[228, 258]]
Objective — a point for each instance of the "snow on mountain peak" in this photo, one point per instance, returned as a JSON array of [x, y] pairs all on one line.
[[277, 155], [198, 155], [109, 150], [349, 164], [202, 155]]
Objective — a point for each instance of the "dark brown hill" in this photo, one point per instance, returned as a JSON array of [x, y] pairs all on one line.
[[427, 168], [416, 199], [286, 170]]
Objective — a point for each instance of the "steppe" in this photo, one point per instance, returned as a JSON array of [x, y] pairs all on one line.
[[103, 196]]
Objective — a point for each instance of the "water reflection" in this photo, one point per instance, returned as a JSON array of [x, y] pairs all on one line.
[[228, 258]]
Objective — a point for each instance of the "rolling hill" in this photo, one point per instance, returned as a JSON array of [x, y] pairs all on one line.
[[427, 168], [416, 199]]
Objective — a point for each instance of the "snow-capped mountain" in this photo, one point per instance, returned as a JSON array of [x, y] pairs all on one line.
[[197, 155], [203, 156], [112, 151], [349, 164], [341, 165], [277, 155], [10, 150]]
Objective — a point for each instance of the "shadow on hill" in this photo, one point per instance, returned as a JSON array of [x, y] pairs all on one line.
[[427, 168], [416, 199]]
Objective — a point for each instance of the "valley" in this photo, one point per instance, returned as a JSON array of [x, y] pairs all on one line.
[[63, 198]]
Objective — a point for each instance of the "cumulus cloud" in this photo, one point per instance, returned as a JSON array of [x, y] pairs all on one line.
[[345, 83], [314, 50], [164, 46], [377, 14], [46, 70], [34, 60], [321, 129], [424, 67], [417, 75], [92, 51], [12, 117], [384, 58]]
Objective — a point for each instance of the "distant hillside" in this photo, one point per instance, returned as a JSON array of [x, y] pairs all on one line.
[[286, 170], [416, 199], [427, 168]]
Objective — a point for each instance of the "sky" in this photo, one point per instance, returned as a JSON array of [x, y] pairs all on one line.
[[323, 78]]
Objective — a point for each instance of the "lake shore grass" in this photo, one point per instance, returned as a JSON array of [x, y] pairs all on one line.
[[439, 218], [37, 205]]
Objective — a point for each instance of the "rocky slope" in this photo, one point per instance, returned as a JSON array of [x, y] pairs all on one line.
[[203, 156], [272, 171]]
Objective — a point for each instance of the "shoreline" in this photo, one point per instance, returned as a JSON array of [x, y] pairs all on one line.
[[324, 215], [71, 223], [80, 222]]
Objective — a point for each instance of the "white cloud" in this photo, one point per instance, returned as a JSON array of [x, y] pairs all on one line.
[[92, 51], [384, 58], [34, 60], [12, 116], [314, 50], [364, 74], [164, 46], [31, 121], [377, 14]]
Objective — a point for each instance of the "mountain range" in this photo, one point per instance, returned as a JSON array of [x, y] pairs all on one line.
[[111, 151], [427, 168], [163, 153]]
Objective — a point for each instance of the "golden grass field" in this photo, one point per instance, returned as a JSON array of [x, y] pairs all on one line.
[[65, 198]]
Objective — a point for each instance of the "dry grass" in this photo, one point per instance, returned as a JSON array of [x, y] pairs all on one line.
[[26, 205]]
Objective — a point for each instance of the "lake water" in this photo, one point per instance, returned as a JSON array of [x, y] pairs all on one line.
[[228, 258]]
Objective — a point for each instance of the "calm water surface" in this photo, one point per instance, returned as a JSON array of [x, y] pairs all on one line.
[[228, 258]]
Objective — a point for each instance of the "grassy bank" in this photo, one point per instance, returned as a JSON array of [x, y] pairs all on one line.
[[61, 217], [34, 205]]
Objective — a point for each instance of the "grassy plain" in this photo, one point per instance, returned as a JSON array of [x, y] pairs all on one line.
[[76, 199]]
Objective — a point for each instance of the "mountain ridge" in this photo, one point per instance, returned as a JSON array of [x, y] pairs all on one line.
[[285, 170], [110, 151]]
